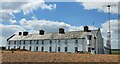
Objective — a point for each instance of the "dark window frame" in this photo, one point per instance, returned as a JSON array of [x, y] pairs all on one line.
[[66, 42], [42, 48], [23, 47], [8, 42], [14, 42], [89, 49], [89, 37], [76, 41], [36, 48], [19, 42], [50, 49], [37, 42], [42, 42], [59, 40], [8, 47], [30, 42], [30, 47], [76, 49], [24, 42], [66, 49], [19, 47], [14, 47], [58, 49], [50, 41]]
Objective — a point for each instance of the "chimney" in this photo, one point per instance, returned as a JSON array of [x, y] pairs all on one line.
[[25, 33], [41, 32], [86, 28], [20, 33], [61, 31]]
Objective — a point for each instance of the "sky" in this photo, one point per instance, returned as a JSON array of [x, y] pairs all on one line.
[[72, 15]]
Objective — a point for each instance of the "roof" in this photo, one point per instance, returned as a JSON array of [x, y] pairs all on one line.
[[67, 35]]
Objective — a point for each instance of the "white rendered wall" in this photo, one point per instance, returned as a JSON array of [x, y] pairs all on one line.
[[71, 44]]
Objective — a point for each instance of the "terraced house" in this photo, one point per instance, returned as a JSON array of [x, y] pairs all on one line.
[[61, 41]]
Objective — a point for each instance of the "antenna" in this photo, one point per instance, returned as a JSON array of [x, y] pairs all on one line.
[[108, 43]]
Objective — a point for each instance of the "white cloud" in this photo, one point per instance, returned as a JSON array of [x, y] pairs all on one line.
[[8, 8], [97, 0], [114, 32], [49, 26], [33, 26], [29, 7], [8, 30], [100, 5], [52, 26], [5, 15], [13, 21]]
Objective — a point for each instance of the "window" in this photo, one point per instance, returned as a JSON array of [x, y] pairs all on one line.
[[9, 42], [19, 47], [30, 41], [89, 37], [37, 42], [42, 41], [65, 49], [76, 49], [50, 49], [23, 47], [66, 42], [19, 42], [93, 48], [58, 49], [37, 48], [8, 47], [89, 49], [14, 47], [24, 42], [59, 41], [50, 41], [14, 42], [42, 49], [30, 48], [76, 41]]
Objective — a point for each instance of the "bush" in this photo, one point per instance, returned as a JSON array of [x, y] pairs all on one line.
[[12, 50]]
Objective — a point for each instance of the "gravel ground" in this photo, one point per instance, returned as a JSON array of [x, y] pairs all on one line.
[[26, 56]]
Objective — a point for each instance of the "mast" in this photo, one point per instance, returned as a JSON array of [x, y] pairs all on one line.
[[109, 31]]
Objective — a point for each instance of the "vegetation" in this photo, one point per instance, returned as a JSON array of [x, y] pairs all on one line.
[[115, 51]]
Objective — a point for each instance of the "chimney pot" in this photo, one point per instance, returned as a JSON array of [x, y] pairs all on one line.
[[86, 28], [41, 32], [25, 33], [61, 31], [20, 33]]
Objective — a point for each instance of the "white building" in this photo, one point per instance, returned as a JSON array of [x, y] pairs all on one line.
[[74, 41]]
